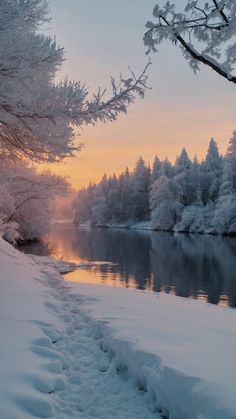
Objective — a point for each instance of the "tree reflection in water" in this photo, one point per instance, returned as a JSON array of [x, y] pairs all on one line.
[[197, 266]]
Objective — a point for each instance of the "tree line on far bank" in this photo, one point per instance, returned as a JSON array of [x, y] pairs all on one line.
[[188, 196]]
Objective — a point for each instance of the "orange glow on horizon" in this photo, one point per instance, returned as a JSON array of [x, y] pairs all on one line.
[[145, 131], [180, 110]]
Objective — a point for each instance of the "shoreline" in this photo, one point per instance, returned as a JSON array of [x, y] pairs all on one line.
[[141, 226]]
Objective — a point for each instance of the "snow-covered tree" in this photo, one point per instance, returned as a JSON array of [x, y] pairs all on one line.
[[37, 114], [231, 160], [183, 162], [82, 205], [232, 146], [212, 168], [225, 211], [156, 169], [165, 203], [167, 168], [205, 33], [213, 161], [139, 200], [124, 195], [188, 196], [196, 218], [26, 200]]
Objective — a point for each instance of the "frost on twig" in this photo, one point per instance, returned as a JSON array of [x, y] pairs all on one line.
[[205, 32]]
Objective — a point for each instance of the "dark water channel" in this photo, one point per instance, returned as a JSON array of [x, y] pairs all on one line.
[[191, 266]]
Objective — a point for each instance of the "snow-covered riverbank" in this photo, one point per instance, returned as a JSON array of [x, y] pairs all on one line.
[[182, 351], [51, 365], [71, 350], [147, 225]]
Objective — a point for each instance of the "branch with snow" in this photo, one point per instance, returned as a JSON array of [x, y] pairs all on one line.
[[37, 115], [205, 32]]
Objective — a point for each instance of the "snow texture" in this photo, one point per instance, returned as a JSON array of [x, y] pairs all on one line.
[[51, 364], [181, 351]]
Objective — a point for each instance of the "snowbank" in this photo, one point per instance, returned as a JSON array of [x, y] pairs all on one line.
[[25, 323], [181, 351], [51, 365]]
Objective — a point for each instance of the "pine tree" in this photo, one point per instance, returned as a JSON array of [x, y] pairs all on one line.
[[230, 166], [231, 152], [183, 162], [167, 169], [140, 191], [213, 161], [156, 169]]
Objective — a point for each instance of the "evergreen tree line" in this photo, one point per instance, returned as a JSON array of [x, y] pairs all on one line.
[[187, 196]]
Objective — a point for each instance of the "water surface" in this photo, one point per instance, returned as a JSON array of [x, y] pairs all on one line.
[[191, 266]]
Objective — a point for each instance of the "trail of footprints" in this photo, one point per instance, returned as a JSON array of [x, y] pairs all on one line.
[[80, 380]]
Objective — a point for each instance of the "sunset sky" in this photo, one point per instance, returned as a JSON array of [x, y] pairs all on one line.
[[102, 38]]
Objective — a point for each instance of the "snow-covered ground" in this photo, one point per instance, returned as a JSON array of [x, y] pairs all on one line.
[[181, 351], [51, 364], [82, 351]]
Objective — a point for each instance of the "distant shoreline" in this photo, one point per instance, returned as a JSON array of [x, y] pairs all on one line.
[[146, 226]]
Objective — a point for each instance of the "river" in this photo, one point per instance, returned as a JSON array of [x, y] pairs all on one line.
[[186, 265]]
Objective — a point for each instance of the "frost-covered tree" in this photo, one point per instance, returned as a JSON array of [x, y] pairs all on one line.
[[167, 168], [139, 200], [124, 195], [37, 114], [225, 210], [231, 159], [82, 205], [196, 218], [213, 161], [183, 162], [26, 200], [188, 197], [212, 168], [204, 31], [232, 145], [156, 169], [224, 217], [112, 199], [165, 204], [229, 169]]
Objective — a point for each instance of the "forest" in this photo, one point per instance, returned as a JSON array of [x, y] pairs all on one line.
[[187, 196]]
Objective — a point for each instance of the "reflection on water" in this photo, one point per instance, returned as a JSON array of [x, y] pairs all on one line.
[[104, 273], [196, 266]]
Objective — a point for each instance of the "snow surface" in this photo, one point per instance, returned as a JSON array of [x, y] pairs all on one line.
[[70, 351], [51, 365], [182, 351]]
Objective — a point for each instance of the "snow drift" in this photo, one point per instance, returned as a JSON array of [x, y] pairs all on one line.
[[181, 351]]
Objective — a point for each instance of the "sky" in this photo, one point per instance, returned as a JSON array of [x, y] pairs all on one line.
[[101, 39]]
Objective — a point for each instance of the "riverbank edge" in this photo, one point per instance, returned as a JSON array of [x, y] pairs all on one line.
[[146, 226]]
